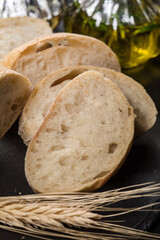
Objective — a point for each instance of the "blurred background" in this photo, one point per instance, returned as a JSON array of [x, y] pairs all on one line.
[[130, 27]]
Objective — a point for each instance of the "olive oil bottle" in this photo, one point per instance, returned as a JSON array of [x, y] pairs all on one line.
[[130, 28], [47, 9]]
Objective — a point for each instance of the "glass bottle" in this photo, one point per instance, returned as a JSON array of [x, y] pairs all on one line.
[[130, 27], [47, 9]]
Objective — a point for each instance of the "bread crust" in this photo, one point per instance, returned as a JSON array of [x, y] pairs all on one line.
[[100, 181]]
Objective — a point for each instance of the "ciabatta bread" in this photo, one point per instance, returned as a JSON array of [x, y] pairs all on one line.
[[14, 91], [16, 31], [42, 56], [83, 140], [44, 94]]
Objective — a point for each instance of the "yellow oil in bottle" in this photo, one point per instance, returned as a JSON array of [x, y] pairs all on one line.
[[54, 21], [133, 45]]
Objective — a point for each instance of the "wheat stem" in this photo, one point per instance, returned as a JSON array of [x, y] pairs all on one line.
[[68, 215]]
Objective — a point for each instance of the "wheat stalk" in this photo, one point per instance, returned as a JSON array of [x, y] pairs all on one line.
[[67, 215]]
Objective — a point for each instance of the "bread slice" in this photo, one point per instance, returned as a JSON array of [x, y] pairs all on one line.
[[16, 31], [42, 56], [14, 91], [44, 94], [83, 140]]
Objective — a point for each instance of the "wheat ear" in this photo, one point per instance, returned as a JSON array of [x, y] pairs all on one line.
[[68, 215]]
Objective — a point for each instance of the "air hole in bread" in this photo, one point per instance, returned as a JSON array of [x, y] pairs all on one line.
[[63, 42], [68, 76], [43, 46], [86, 181], [103, 122], [64, 128], [14, 107], [81, 143], [34, 171], [38, 166], [112, 148], [57, 147], [85, 157], [63, 160], [45, 177], [43, 114], [33, 150], [102, 174], [48, 130], [129, 111], [120, 110], [71, 108]]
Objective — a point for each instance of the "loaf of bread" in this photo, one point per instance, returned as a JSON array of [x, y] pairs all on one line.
[[14, 91], [42, 56], [19, 30], [44, 94], [84, 138]]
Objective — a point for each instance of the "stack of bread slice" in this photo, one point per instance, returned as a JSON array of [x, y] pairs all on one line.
[[46, 91], [15, 87], [82, 114]]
